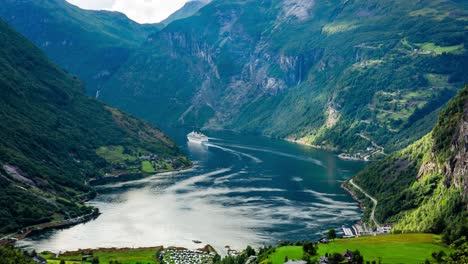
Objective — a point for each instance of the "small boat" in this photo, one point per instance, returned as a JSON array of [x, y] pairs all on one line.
[[197, 137], [196, 241]]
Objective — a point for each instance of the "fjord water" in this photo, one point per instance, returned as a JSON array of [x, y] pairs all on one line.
[[242, 190]]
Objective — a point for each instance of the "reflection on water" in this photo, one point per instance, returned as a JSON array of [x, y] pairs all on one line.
[[242, 190]]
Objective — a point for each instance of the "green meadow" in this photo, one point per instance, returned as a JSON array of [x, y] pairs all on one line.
[[131, 256], [146, 166], [401, 248]]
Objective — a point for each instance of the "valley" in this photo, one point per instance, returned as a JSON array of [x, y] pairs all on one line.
[[322, 73]]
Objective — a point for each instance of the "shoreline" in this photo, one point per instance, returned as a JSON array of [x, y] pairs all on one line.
[[26, 231], [131, 176], [342, 155], [354, 196], [301, 142]]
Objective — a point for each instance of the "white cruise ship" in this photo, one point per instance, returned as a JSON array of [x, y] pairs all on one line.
[[196, 137]]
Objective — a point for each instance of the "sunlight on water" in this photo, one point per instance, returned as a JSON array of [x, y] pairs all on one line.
[[252, 191]]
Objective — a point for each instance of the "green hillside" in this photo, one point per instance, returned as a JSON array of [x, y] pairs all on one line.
[[344, 74], [423, 188], [50, 137], [89, 44]]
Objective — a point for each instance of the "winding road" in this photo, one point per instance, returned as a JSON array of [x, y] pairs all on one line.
[[372, 216]]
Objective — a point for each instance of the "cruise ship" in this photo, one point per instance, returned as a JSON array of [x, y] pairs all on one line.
[[197, 137]]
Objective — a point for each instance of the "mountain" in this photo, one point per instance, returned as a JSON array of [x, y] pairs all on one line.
[[424, 187], [90, 44], [351, 75], [360, 76], [53, 138], [190, 8]]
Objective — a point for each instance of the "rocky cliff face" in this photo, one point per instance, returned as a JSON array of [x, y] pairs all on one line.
[[276, 67], [423, 188], [456, 168]]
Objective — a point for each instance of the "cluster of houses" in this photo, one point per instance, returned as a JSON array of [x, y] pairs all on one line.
[[156, 161], [363, 155], [150, 157], [185, 256], [360, 229], [347, 255]]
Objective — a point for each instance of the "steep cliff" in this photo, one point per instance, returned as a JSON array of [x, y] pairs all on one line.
[[423, 188], [344, 74], [358, 75]]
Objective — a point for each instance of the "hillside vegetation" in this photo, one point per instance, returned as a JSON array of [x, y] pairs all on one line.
[[341, 74], [89, 44], [50, 135], [348, 74], [423, 188], [406, 248]]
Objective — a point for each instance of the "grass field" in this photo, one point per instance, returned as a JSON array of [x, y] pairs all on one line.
[[403, 248], [142, 256], [439, 50], [292, 252], [114, 154], [147, 167]]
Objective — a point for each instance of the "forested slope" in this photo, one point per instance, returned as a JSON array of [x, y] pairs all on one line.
[[346, 74], [50, 134], [89, 44], [330, 73]]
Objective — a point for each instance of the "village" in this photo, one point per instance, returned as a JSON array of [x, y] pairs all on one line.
[[362, 229], [174, 255]]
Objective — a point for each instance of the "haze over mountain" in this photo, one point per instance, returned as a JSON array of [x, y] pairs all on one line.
[[141, 11], [189, 9], [53, 139]]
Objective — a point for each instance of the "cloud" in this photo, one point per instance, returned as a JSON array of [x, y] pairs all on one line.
[[142, 11]]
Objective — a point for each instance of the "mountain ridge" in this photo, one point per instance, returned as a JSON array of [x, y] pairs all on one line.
[[321, 73], [346, 75], [90, 44], [189, 9]]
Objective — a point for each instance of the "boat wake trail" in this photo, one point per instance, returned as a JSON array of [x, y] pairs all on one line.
[[237, 153], [297, 157], [196, 179]]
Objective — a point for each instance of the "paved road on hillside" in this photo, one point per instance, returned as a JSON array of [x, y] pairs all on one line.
[[372, 199]]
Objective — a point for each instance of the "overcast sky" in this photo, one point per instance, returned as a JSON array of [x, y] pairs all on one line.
[[142, 11]]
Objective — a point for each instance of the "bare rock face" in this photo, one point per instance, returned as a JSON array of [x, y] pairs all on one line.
[[18, 175], [456, 169]]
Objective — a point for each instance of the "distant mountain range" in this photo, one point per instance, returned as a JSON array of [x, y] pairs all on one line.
[[53, 139]]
